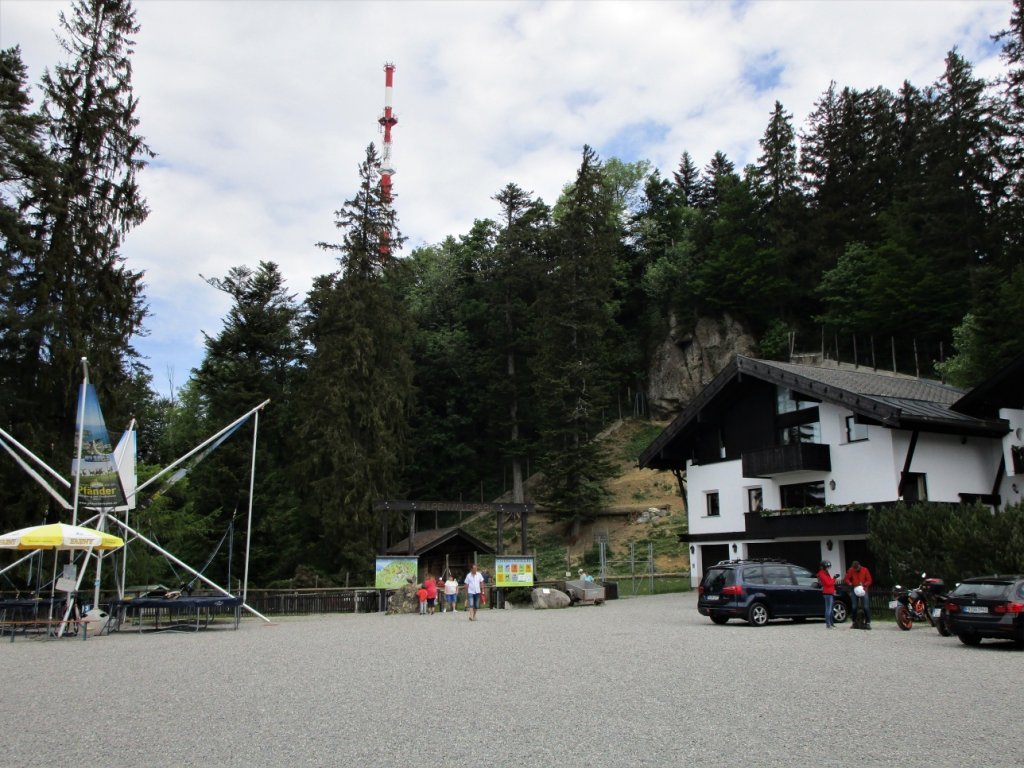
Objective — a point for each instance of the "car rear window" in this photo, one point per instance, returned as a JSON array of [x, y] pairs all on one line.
[[716, 578], [986, 590]]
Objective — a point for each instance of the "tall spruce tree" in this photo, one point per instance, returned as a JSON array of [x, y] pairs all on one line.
[[252, 359], [87, 302], [24, 170], [511, 285], [74, 295], [575, 321], [776, 187], [687, 178], [358, 388]]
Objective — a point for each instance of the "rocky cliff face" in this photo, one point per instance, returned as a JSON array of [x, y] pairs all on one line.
[[689, 358]]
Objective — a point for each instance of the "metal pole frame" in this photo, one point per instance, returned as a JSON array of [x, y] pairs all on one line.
[[188, 568], [81, 436], [248, 527]]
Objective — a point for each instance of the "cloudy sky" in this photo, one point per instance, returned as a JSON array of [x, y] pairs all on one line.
[[260, 111]]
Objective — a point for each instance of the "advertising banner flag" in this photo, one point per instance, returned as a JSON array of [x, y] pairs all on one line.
[[396, 572], [99, 482], [513, 571]]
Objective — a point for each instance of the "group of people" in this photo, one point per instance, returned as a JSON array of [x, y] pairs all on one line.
[[858, 578], [449, 589]]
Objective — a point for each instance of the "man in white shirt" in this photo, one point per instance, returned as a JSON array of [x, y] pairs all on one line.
[[474, 586]]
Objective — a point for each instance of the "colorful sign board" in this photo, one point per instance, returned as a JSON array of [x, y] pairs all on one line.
[[395, 572], [513, 571]]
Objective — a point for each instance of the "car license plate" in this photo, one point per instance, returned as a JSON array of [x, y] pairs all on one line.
[[936, 612], [975, 609], [893, 603]]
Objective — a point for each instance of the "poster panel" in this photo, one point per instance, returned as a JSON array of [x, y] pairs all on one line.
[[99, 481], [513, 571], [395, 572]]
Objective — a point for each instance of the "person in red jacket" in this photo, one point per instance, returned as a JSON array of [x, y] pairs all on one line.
[[431, 586], [859, 576], [828, 590]]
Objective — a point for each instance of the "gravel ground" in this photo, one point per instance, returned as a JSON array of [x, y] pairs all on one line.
[[635, 682]]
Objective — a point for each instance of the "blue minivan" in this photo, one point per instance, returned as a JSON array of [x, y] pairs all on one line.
[[760, 590]]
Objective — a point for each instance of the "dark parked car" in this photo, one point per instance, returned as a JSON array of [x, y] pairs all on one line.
[[989, 606], [761, 590]]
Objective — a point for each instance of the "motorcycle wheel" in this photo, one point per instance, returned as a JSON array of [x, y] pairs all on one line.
[[903, 620]]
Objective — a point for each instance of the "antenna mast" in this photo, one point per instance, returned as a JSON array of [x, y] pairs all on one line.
[[387, 121]]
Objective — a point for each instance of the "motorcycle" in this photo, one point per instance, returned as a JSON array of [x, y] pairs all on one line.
[[926, 602]]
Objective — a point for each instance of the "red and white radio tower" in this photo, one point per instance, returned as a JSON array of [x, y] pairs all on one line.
[[387, 120]]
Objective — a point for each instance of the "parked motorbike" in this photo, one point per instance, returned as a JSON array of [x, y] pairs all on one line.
[[926, 602]]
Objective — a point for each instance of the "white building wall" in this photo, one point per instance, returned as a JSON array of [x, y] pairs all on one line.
[[952, 464], [863, 471]]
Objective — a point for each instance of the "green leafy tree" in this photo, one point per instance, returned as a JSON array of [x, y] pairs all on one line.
[[951, 541]]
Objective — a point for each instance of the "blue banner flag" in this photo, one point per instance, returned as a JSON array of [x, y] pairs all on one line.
[[99, 484]]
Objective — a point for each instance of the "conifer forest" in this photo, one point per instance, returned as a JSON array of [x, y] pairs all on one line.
[[884, 223]]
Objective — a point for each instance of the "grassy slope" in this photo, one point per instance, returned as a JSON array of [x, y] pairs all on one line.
[[633, 491]]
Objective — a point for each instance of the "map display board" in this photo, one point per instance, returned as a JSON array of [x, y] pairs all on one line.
[[395, 572], [513, 571]]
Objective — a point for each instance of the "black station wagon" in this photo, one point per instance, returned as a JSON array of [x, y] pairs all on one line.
[[989, 606], [760, 590]]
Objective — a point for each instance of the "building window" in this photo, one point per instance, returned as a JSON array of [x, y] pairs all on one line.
[[755, 499], [803, 495], [800, 433], [855, 431], [915, 487], [712, 504], [788, 401]]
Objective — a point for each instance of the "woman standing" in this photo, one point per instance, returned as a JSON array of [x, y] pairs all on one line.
[[828, 590]]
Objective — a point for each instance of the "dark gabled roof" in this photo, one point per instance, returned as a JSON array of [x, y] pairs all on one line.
[[1004, 389], [424, 541], [894, 400]]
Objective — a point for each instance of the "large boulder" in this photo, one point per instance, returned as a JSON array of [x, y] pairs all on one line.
[[404, 600], [547, 597]]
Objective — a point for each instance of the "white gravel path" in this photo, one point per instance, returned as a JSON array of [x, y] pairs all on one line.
[[635, 682]]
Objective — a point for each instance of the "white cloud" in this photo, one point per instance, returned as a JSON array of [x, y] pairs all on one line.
[[260, 112]]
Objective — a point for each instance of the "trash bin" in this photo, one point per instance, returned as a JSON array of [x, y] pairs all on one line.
[[611, 590]]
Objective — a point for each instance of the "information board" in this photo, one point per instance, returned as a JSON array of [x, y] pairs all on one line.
[[513, 571]]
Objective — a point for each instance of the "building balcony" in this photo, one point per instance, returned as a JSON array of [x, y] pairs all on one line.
[[801, 457], [831, 521]]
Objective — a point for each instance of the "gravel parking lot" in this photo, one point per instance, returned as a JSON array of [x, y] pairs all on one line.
[[635, 682]]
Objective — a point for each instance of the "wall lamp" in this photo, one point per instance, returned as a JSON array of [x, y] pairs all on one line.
[[734, 548], [692, 549], [828, 545]]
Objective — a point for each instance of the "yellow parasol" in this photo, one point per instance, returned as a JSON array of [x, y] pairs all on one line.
[[59, 536]]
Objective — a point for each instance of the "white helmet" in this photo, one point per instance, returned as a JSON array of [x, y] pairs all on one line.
[[859, 590]]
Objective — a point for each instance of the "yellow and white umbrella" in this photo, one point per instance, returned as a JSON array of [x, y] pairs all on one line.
[[59, 536]]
